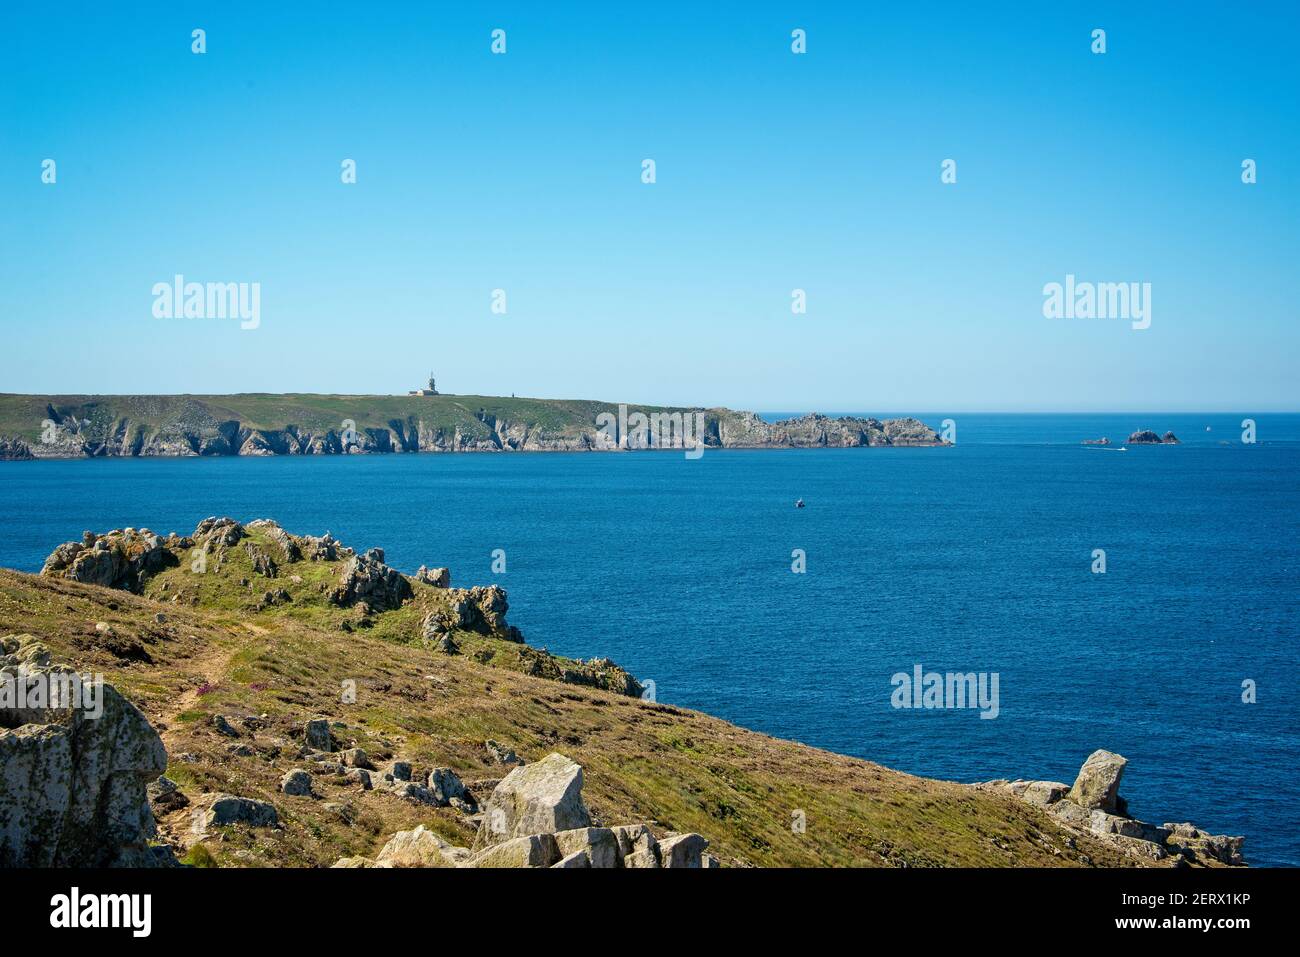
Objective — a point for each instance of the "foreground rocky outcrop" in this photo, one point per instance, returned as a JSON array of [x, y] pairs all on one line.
[[1092, 805], [265, 568], [73, 773], [536, 818], [121, 559], [91, 426]]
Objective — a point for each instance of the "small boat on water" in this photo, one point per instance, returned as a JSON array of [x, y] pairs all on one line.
[[798, 503]]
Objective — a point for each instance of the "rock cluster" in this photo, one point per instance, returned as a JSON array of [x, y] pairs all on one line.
[[1147, 437], [73, 785], [366, 578], [747, 430], [536, 818], [123, 558], [480, 609], [440, 788], [1093, 806]]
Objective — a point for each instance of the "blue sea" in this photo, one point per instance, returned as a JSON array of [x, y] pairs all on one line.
[[972, 558]]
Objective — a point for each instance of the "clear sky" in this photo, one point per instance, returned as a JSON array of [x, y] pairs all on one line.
[[775, 171]]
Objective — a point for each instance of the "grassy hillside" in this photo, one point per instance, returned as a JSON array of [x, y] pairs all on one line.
[[219, 649]]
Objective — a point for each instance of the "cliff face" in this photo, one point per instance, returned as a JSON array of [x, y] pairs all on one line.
[[90, 426], [747, 430]]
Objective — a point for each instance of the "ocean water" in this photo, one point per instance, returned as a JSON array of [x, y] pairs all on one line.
[[971, 558]]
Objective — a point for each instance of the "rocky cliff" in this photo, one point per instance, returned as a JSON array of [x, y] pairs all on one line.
[[86, 426]]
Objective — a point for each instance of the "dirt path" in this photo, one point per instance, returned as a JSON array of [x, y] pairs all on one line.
[[211, 665]]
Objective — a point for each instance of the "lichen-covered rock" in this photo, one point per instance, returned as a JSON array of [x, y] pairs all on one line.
[[532, 850], [218, 533], [166, 794], [324, 548], [597, 844], [124, 558], [229, 809], [263, 563], [1097, 785], [366, 578], [356, 758], [578, 859], [437, 577], [446, 786], [642, 860], [1041, 793], [72, 786], [1189, 839], [287, 548], [635, 839], [499, 753], [317, 734], [682, 850], [296, 782], [602, 673], [420, 848], [539, 798]]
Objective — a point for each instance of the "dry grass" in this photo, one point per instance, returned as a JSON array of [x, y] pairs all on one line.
[[680, 769]]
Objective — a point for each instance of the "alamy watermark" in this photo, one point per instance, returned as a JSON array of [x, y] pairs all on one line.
[[1098, 300], [44, 690], [179, 299], [658, 430], [931, 689]]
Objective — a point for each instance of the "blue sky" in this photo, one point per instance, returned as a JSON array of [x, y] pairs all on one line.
[[775, 172]]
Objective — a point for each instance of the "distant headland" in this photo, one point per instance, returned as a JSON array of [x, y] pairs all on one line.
[[424, 420]]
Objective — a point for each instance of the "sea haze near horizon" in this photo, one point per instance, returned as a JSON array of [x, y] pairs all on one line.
[[971, 558]]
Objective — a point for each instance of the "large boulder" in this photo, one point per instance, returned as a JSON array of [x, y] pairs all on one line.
[[597, 844], [73, 773], [1097, 785], [296, 782], [683, 850], [634, 840], [316, 732], [420, 848], [226, 809], [446, 786], [437, 577], [539, 798], [532, 850]]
